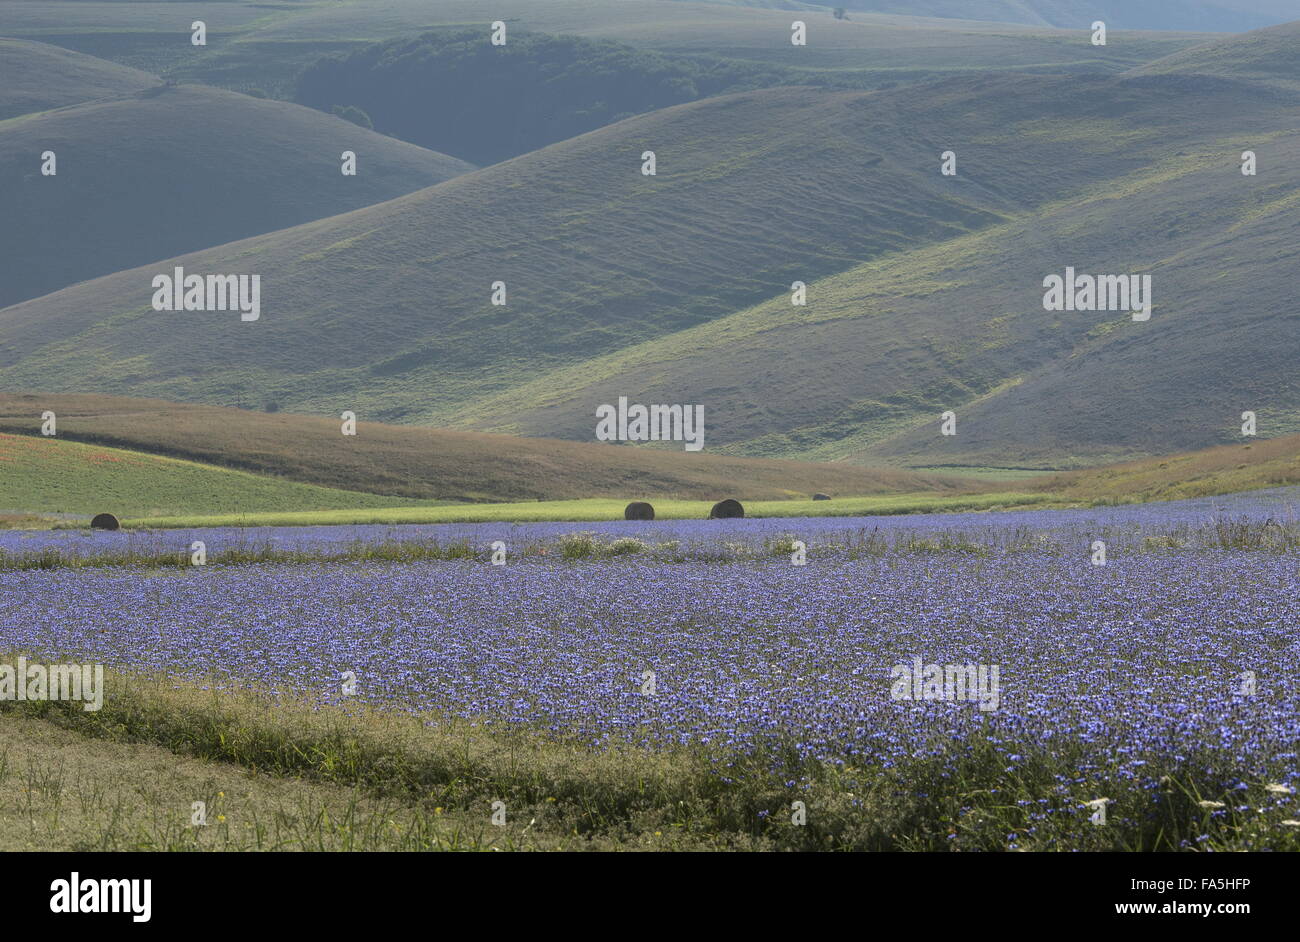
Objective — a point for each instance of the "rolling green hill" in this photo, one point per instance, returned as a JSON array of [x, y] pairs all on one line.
[[253, 44], [153, 36], [892, 344], [406, 462], [386, 311], [453, 93], [906, 43], [1212, 15], [180, 168], [925, 291], [1268, 56], [39, 77]]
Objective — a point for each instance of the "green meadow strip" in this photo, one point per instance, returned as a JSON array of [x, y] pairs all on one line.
[[564, 511]]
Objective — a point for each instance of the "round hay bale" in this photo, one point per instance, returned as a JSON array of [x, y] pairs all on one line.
[[638, 510], [821, 497], [105, 522], [725, 509]]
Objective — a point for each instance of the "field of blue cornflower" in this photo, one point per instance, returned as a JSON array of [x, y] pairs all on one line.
[[1163, 684]]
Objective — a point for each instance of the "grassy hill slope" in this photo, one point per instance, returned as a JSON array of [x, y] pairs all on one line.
[[1205, 473], [890, 345], [60, 476], [259, 45], [1269, 56], [179, 169], [908, 42], [386, 311], [39, 77], [145, 35], [436, 463], [1213, 15], [1227, 469], [49, 475], [450, 91], [925, 291], [619, 284]]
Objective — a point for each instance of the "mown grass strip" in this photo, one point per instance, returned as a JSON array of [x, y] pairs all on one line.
[[968, 796]]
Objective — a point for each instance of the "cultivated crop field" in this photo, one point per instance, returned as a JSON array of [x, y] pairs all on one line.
[[1116, 678]]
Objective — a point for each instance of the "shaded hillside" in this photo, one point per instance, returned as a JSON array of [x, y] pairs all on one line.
[[437, 463], [891, 345], [38, 77], [1269, 56], [180, 168], [899, 48], [153, 36], [880, 352], [256, 45], [933, 297], [387, 311], [454, 93], [1204, 15]]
